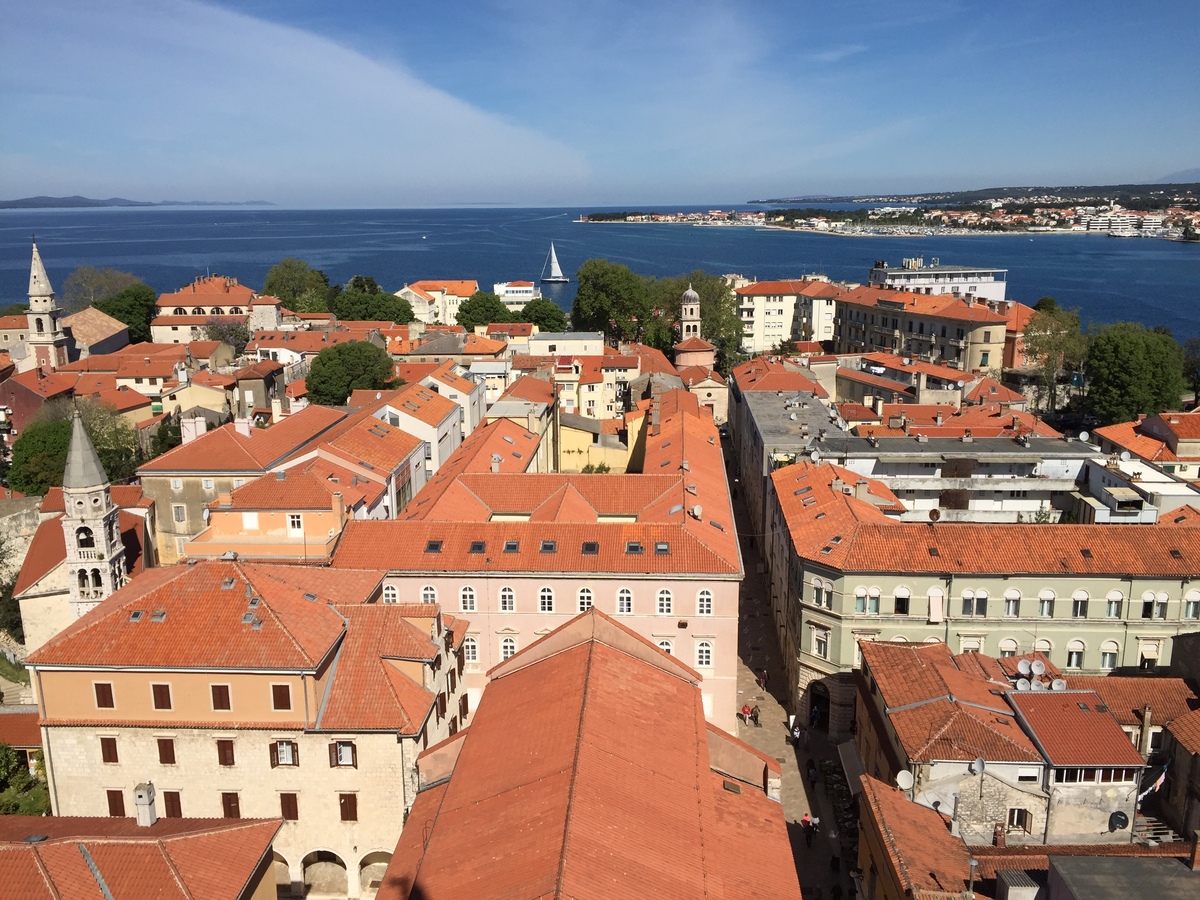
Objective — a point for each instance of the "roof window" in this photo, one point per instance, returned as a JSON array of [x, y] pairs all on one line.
[[136, 615], [661, 548], [633, 547], [1082, 706], [508, 438], [803, 490], [254, 601], [933, 551], [1175, 554], [549, 547], [590, 548], [1087, 554], [478, 546], [310, 597], [665, 462], [512, 546], [158, 615], [716, 525], [836, 539], [228, 583], [247, 618], [678, 507], [433, 547]]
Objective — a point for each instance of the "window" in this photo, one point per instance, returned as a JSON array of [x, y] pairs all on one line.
[[704, 654], [104, 695], [508, 647], [1191, 605], [983, 358], [1028, 774], [281, 696], [974, 603], [666, 647], [546, 600], [470, 650], [289, 808], [1154, 606], [585, 599], [230, 807], [1079, 605], [1108, 654], [177, 484], [162, 695], [1018, 819], [820, 642], [166, 751], [828, 595], [704, 603], [220, 697], [873, 601], [1112, 606], [172, 808], [249, 521], [1008, 647], [1041, 645], [116, 803], [1012, 602], [508, 600], [429, 594], [900, 602], [348, 805], [208, 484], [108, 750], [179, 512], [295, 522], [390, 594], [625, 601], [343, 754], [1075, 655], [225, 752], [284, 753], [1046, 604], [466, 599]]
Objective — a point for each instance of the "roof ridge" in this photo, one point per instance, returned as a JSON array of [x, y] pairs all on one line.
[[45, 873], [277, 617], [179, 879], [583, 709]]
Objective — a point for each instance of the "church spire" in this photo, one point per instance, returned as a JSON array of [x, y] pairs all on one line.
[[84, 469], [39, 283]]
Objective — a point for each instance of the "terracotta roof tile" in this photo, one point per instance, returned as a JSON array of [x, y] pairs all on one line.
[[1072, 731], [765, 374], [20, 729], [535, 390], [90, 326], [1127, 696], [940, 306], [212, 286], [1186, 730]]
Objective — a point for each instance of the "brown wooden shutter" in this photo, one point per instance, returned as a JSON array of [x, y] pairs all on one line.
[[230, 806], [104, 695], [333, 754], [354, 755], [116, 803], [220, 696], [348, 803], [166, 751], [108, 750], [288, 807], [273, 748], [174, 809], [281, 696], [295, 754], [225, 752], [162, 696]]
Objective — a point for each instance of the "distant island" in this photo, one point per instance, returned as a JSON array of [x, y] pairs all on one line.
[[1140, 196], [78, 202]]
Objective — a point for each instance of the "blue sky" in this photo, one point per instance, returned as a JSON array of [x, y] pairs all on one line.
[[370, 103]]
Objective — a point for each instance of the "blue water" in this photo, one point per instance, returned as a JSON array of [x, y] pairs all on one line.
[[1150, 281]]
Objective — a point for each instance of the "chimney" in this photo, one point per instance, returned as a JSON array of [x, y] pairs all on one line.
[[954, 818], [1144, 743], [242, 426], [339, 507], [276, 409], [496, 460], [192, 427], [143, 801]]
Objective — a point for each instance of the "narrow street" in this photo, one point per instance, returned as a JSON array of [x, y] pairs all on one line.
[[758, 649]]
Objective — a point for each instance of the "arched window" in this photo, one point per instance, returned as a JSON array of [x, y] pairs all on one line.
[[390, 594], [666, 647], [429, 594], [704, 654], [1191, 605], [546, 600], [508, 600], [937, 600], [585, 599], [466, 599], [625, 601], [817, 593], [1008, 647], [1012, 602], [197, 310], [1041, 645], [828, 595], [40, 327], [873, 601], [217, 311], [900, 598], [508, 647], [84, 538], [704, 603], [97, 582], [1079, 605], [83, 581], [1075, 655], [235, 310], [1109, 651], [1046, 604], [664, 602], [860, 600], [1112, 607], [179, 311], [470, 650]]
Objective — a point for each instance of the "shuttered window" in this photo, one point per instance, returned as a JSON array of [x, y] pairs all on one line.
[[174, 809], [162, 696], [220, 696], [348, 804], [116, 803], [289, 808], [230, 807], [108, 749], [166, 751], [104, 695], [225, 752]]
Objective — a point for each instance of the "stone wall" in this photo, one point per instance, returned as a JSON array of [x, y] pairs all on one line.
[[19, 520], [984, 801]]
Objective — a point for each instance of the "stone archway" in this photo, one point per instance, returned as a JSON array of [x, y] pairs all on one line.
[[283, 876], [370, 871], [325, 875]]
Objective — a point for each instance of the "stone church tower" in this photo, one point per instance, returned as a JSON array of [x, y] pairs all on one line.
[[46, 340], [689, 318], [95, 555]]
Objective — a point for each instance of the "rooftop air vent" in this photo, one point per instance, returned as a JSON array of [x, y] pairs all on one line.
[[732, 786], [433, 547], [590, 548]]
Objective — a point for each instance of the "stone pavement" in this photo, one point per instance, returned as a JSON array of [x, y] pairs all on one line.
[[758, 649]]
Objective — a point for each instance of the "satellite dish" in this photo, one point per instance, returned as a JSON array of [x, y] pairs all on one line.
[[1037, 667], [1118, 821], [978, 766], [961, 384], [1022, 684], [904, 780], [1037, 685], [1058, 684], [935, 514], [1083, 436], [1125, 456], [815, 456], [1023, 667]]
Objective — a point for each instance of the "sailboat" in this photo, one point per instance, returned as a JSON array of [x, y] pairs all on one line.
[[556, 275]]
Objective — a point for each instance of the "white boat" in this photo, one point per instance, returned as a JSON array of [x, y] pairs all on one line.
[[556, 275]]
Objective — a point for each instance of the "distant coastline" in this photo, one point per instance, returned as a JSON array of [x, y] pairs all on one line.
[[78, 202]]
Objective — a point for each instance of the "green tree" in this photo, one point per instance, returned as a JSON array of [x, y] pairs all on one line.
[[357, 305], [88, 285], [167, 436], [10, 611], [1133, 370], [364, 283], [314, 300], [1046, 304], [611, 299], [235, 334], [543, 313], [14, 309], [1054, 339], [342, 368], [39, 456], [1191, 366], [20, 792], [290, 278], [718, 311], [1189, 232], [135, 307], [482, 308]]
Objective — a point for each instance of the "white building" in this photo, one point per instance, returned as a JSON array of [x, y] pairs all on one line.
[[566, 343], [917, 278], [515, 294]]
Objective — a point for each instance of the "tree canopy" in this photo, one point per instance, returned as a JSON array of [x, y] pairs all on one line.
[[543, 313], [235, 334], [135, 307], [39, 455], [1133, 370], [21, 793], [291, 278], [482, 308], [611, 299], [718, 311], [88, 285], [360, 304], [1191, 366], [342, 368], [1054, 339]]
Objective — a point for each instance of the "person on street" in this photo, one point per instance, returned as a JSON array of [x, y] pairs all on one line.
[[744, 715], [796, 729], [754, 713], [807, 826]]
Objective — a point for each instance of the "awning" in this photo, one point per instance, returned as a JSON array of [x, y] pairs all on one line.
[[852, 765], [1149, 651]]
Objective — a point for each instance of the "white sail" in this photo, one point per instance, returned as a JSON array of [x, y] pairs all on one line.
[[555, 269], [556, 275]]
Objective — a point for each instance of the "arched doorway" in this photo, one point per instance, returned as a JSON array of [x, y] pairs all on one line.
[[370, 871], [283, 876], [818, 706], [324, 874]]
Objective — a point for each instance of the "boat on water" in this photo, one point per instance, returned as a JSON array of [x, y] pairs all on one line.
[[556, 275]]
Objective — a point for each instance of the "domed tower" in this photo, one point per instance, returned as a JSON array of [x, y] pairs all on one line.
[[689, 318], [46, 340], [95, 554]]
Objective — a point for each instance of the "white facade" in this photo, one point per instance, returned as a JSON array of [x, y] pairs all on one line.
[[515, 294], [568, 343], [766, 321], [918, 278]]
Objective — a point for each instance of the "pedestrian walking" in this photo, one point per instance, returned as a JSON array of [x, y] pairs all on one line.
[[762, 680], [744, 715], [812, 773], [807, 827], [754, 715], [814, 716], [796, 729]]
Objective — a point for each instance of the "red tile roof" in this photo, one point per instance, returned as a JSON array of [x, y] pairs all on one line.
[[989, 390], [539, 773], [1018, 315], [213, 286], [1186, 731], [374, 445], [461, 287], [694, 343], [297, 489], [789, 288], [765, 374], [45, 384], [1071, 730], [146, 367], [90, 326], [302, 342], [512, 329], [1127, 696], [19, 729], [423, 404], [535, 390], [939, 306], [650, 359], [1128, 436], [481, 346]]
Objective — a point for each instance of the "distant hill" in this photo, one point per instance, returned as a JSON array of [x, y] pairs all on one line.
[[78, 202], [1189, 189]]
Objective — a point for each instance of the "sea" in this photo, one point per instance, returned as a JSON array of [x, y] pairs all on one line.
[[1155, 282]]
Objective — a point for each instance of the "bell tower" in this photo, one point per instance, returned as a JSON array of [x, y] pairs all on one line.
[[689, 318], [46, 341], [95, 554]]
